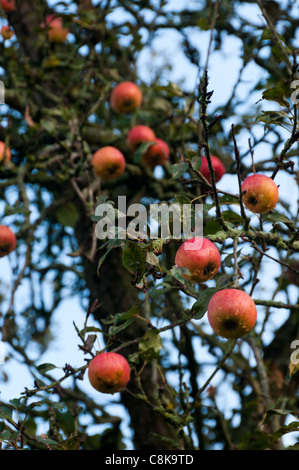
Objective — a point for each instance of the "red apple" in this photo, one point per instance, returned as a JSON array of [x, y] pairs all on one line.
[[218, 166], [138, 135], [231, 313], [109, 372], [5, 153], [8, 5], [55, 30], [260, 193], [201, 257], [125, 98], [8, 241], [156, 154], [108, 163], [6, 32]]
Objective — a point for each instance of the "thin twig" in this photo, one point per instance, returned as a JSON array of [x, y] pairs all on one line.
[[203, 117], [238, 162]]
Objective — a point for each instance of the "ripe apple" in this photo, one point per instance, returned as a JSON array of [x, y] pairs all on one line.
[[156, 154], [260, 193], [201, 257], [55, 30], [8, 241], [8, 5], [5, 153], [218, 166], [109, 372], [231, 313], [138, 135], [125, 97], [6, 32], [108, 163]]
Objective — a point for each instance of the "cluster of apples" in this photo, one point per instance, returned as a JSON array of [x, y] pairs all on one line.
[[53, 24], [231, 312], [109, 162]]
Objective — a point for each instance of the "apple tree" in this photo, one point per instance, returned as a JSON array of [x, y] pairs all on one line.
[[191, 386]]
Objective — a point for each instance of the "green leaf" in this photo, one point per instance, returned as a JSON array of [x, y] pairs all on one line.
[[275, 94], [49, 125], [196, 163], [228, 199], [277, 217], [5, 436], [150, 345], [5, 412], [177, 273], [232, 217], [67, 215], [120, 321], [141, 150], [153, 259], [115, 243], [43, 368], [275, 411], [178, 169], [182, 199], [229, 259], [133, 258], [47, 441], [212, 227], [114, 329], [200, 307], [16, 402], [291, 427], [203, 24]]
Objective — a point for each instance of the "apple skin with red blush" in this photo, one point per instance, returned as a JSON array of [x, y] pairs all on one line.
[[218, 166], [108, 163], [231, 313], [125, 97], [109, 372], [156, 154], [259, 193], [201, 257], [139, 134], [8, 241]]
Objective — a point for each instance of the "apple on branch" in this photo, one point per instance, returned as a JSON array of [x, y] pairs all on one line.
[[231, 313], [7, 32], [260, 193], [109, 372], [8, 5], [139, 134], [55, 30], [201, 257], [125, 97], [5, 153], [8, 241], [108, 163], [218, 166], [156, 154]]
